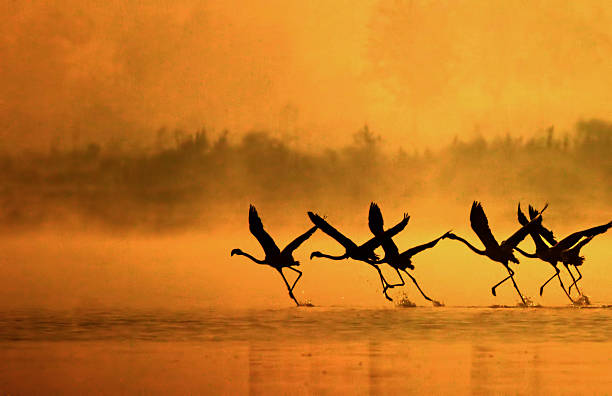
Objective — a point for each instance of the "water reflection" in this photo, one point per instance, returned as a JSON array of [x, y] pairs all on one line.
[[353, 351]]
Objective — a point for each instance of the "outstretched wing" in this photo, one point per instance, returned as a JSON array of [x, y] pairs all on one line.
[[331, 231], [480, 225], [572, 239], [579, 245], [522, 219], [522, 232], [375, 220], [390, 233], [257, 229], [376, 224], [298, 241], [546, 233], [418, 249]]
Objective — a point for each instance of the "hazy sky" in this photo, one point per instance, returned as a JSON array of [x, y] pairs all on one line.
[[416, 71]]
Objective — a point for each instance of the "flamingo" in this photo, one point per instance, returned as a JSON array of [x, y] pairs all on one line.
[[274, 257], [363, 252], [566, 250], [543, 251], [502, 253], [398, 261]]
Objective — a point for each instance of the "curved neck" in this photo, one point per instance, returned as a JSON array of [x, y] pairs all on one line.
[[537, 239], [477, 251], [342, 257], [524, 253], [251, 257]]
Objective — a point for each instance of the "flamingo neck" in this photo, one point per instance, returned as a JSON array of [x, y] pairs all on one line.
[[474, 249], [342, 257], [251, 257]]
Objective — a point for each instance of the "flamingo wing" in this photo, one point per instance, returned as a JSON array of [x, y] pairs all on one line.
[[522, 232], [298, 241], [331, 231], [376, 224], [580, 244], [572, 239], [522, 219], [257, 229], [546, 233], [390, 233], [375, 219], [480, 225], [418, 249]]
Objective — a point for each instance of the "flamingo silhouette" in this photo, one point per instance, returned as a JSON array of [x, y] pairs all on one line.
[[500, 252], [275, 258], [566, 250], [543, 251], [364, 252], [398, 261]]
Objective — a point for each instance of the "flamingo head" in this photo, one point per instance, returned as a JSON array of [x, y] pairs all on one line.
[[315, 254]]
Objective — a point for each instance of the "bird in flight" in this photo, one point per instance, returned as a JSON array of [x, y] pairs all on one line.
[[395, 259], [364, 252], [274, 257], [566, 251], [500, 252]]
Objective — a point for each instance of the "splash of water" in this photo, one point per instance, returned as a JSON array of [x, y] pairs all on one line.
[[583, 300], [306, 303], [528, 303], [404, 302]]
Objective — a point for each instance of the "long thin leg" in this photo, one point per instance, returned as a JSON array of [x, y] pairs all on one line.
[[510, 276], [384, 282], [397, 284], [394, 285], [563, 287], [418, 287], [280, 271], [502, 281], [298, 278], [576, 281], [518, 291], [551, 278], [573, 278]]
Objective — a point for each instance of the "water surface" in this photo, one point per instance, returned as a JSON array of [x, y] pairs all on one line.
[[472, 350]]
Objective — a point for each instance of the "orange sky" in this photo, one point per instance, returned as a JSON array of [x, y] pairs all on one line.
[[416, 71]]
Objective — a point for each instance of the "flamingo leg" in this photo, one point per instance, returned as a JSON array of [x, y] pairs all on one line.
[[384, 282], [563, 287], [576, 281], [388, 286], [502, 281], [397, 284], [511, 277], [297, 279], [573, 278], [417, 285], [280, 271], [551, 278], [517, 290]]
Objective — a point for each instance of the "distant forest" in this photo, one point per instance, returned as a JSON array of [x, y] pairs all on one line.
[[197, 179]]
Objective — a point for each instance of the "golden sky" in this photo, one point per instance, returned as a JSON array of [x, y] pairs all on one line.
[[417, 71]]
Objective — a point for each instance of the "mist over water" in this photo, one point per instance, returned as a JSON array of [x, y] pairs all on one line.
[[198, 181], [118, 211]]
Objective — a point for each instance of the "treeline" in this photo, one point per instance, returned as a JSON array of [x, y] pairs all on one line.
[[193, 181]]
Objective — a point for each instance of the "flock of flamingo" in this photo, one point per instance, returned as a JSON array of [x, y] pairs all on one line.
[[548, 249]]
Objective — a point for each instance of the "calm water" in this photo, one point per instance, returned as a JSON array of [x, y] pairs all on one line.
[[308, 351]]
